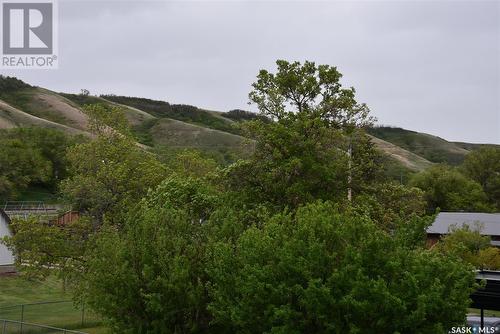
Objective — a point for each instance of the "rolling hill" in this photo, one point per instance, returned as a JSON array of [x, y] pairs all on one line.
[[161, 124], [427, 146]]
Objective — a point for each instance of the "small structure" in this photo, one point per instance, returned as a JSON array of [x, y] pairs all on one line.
[[66, 218], [488, 222], [488, 296], [6, 256]]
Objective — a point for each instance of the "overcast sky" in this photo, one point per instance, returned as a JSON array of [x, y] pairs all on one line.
[[426, 66]]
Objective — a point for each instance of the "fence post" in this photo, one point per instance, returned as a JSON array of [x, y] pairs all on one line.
[[22, 318], [4, 326]]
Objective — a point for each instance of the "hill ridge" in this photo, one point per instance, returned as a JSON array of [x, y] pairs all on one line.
[[156, 122]]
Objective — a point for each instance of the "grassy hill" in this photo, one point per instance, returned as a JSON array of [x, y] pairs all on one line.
[[43, 104], [429, 147], [161, 124], [177, 134], [472, 147], [12, 117], [180, 112]]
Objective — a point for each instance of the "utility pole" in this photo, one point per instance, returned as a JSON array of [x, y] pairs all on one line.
[[349, 172]]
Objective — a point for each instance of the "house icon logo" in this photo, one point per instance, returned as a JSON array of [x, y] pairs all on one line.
[[29, 34]]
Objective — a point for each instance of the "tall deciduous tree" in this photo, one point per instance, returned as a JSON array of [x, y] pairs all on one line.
[[111, 173], [305, 152]]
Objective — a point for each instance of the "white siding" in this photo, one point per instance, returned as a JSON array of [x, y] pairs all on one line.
[[6, 257]]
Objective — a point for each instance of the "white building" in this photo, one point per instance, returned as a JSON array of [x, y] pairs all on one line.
[[6, 256]]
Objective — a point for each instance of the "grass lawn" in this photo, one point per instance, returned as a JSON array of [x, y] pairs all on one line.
[[15, 291], [487, 313], [38, 194]]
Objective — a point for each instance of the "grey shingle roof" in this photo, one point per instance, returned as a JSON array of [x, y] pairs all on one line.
[[490, 222]]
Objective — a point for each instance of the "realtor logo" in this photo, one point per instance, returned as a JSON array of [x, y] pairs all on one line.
[[28, 34]]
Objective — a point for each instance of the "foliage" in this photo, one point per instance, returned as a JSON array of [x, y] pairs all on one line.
[[82, 99], [181, 112], [394, 170], [32, 157], [104, 120], [42, 247], [239, 115], [468, 244], [109, 174], [325, 272], [20, 165], [489, 258], [483, 166], [8, 84], [310, 90], [149, 278], [189, 163], [390, 203], [170, 243], [142, 131], [449, 190], [302, 154], [290, 168]]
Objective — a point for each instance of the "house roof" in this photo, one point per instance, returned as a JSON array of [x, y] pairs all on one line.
[[490, 222]]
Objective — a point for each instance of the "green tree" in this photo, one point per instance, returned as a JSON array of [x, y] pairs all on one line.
[[389, 203], [150, 276], [20, 165], [468, 244], [320, 271], [105, 120], [44, 248], [483, 166], [110, 173], [32, 156], [446, 188], [304, 153], [189, 162]]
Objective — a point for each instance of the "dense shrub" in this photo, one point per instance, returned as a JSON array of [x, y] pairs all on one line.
[[324, 272], [8, 84], [32, 157], [243, 115]]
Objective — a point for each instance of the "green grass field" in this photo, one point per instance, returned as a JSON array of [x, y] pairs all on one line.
[[487, 313], [15, 291]]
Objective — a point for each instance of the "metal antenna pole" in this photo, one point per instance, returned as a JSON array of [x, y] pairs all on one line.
[[349, 175]]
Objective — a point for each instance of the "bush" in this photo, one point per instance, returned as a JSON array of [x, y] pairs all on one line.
[[446, 188], [150, 277], [8, 84], [324, 272]]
